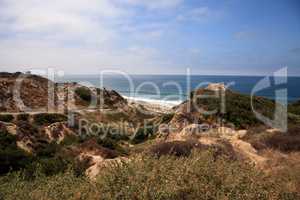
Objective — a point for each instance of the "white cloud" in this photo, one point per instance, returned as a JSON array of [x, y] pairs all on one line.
[[156, 4], [196, 14], [25, 55], [79, 34], [69, 19]]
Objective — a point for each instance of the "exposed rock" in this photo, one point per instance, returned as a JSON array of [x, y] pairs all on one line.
[[99, 163], [58, 131], [216, 87], [97, 157], [26, 146], [9, 127], [92, 147]]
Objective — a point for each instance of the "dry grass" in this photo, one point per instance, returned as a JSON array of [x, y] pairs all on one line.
[[284, 142], [198, 176], [285, 167]]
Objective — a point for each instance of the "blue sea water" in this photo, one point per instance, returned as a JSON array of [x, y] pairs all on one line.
[[173, 89]]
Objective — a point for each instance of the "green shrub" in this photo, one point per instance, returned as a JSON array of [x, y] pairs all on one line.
[[117, 116], [6, 118], [84, 93], [52, 166], [49, 118], [48, 150], [23, 117], [199, 176], [144, 133], [237, 109], [112, 144], [70, 140], [107, 143], [27, 128], [285, 142], [57, 187], [11, 157], [166, 118], [294, 108]]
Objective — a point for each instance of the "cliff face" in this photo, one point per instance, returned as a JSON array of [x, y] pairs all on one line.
[[18, 91]]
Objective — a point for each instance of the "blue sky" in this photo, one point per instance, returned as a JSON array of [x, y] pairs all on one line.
[[240, 37]]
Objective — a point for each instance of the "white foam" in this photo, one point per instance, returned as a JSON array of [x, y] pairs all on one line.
[[166, 103]]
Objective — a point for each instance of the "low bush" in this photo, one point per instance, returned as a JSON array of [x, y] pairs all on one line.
[[176, 148], [294, 108], [57, 187], [237, 108], [198, 176], [117, 116], [11, 157], [84, 93], [23, 117], [49, 118], [112, 144], [48, 150], [285, 142], [166, 118], [70, 140], [185, 148], [52, 166], [143, 133], [26, 128], [6, 118]]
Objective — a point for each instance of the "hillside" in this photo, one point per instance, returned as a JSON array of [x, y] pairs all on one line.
[[42, 95], [228, 107], [124, 144], [294, 107]]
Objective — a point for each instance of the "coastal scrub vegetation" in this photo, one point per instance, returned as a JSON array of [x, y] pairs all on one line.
[[84, 93], [284, 142], [48, 159], [39, 162], [11, 157], [6, 118], [48, 118], [294, 108], [238, 108], [198, 176]]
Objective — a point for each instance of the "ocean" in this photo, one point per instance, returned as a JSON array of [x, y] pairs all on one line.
[[173, 89]]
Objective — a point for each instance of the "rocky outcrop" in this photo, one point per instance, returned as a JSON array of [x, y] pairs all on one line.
[[8, 127], [97, 157], [25, 92], [216, 87], [58, 131]]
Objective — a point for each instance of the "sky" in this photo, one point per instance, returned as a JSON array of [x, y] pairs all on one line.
[[214, 37]]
